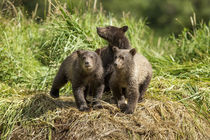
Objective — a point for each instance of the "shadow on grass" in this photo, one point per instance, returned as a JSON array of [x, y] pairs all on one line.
[[39, 104]]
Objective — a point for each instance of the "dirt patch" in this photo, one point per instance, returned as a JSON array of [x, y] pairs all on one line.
[[152, 120]]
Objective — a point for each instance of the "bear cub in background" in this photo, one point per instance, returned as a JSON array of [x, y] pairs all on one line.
[[115, 37], [133, 72], [85, 71]]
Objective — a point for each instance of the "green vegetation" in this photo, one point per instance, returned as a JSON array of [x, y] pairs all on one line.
[[164, 16], [30, 53]]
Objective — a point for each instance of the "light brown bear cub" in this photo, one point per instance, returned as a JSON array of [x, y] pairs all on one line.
[[133, 72], [85, 71]]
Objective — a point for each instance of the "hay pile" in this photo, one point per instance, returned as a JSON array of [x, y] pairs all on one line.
[[59, 119]]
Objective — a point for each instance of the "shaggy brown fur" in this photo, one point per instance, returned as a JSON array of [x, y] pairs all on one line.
[[85, 71], [133, 72], [115, 37]]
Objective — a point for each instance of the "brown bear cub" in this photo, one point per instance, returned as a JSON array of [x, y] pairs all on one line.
[[133, 72], [115, 37], [85, 71]]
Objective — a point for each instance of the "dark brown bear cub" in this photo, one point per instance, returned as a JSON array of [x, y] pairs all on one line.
[[133, 72], [115, 37], [85, 71]]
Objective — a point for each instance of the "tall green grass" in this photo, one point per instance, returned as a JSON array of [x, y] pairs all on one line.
[[19, 39]]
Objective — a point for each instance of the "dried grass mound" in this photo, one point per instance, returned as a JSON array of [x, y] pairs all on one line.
[[152, 120]]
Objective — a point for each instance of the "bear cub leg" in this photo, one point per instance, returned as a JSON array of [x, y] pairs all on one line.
[[143, 87], [54, 92], [80, 98], [119, 97], [87, 92], [59, 81], [133, 96], [97, 95]]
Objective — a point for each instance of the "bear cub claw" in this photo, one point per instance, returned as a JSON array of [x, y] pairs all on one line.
[[123, 107], [84, 108], [97, 105], [126, 109], [129, 111]]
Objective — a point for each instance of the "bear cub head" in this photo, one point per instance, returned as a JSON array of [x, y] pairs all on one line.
[[112, 34], [123, 58], [88, 60]]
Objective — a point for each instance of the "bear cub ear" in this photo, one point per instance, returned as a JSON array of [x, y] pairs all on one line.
[[115, 49], [124, 28], [79, 53], [98, 51], [133, 51]]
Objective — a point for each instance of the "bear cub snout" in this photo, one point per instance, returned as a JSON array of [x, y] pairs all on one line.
[[87, 61]]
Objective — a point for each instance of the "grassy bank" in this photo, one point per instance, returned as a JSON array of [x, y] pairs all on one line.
[[176, 104]]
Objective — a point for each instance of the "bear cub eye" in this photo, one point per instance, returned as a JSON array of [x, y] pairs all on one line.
[[83, 57], [122, 57], [115, 57], [91, 57]]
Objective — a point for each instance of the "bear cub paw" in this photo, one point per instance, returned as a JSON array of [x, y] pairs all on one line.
[[97, 105], [54, 93], [123, 107], [129, 111], [84, 108]]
